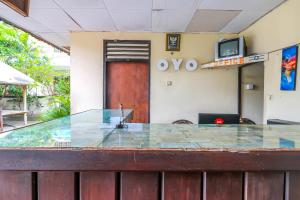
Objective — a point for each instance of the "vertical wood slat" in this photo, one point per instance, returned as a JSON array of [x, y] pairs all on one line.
[[181, 186], [98, 186], [264, 185], [293, 185], [224, 185], [139, 185], [15, 185], [56, 185]]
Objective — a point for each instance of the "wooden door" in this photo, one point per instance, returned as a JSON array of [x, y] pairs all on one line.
[[128, 83]]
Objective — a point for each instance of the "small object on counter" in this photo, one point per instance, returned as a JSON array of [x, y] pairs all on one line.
[[121, 124]]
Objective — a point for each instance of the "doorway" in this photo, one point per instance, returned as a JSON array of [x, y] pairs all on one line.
[[127, 77], [251, 86]]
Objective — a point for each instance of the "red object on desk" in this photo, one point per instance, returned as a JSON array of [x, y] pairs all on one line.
[[219, 121]]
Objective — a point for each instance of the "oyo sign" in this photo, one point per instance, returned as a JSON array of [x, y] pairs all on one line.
[[190, 65]]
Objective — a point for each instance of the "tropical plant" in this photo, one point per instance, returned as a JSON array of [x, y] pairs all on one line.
[[60, 104], [21, 51]]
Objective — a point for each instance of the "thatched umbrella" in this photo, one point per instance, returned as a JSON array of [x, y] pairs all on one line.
[[11, 76]]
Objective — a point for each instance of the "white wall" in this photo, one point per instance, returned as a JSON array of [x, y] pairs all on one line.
[[279, 104], [191, 92], [277, 30]]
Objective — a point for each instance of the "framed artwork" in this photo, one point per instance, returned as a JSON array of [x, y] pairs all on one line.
[[173, 42], [289, 68]]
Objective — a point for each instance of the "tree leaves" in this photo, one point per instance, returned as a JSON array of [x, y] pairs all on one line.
[[19, 50]]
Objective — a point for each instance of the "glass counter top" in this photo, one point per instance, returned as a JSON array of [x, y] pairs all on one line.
[[96, 129], [233, 137], [79, 130]]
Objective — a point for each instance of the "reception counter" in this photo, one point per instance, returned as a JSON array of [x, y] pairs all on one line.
[[85, 157]]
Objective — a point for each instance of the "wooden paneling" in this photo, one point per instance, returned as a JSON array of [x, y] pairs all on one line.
[[1, 121], [20, 6], [15, 185], [128, 83], [223, 185], [181, 186], [293, 185], [98, 185], [147, 160], [154, 160], [139, 186], [264, 186], [56, 185]]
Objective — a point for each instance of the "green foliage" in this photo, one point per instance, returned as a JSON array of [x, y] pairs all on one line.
[[19, 50], [16, 92], [62, 86], [22, 52], [60, 104]]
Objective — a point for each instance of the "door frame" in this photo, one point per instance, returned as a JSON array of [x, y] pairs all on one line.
[[240, 86], [107, 61]]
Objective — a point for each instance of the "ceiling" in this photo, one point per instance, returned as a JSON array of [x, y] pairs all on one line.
[[53, 20]]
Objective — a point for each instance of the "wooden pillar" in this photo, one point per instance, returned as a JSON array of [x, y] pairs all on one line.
[[24, 88], [1, 121], [1, 117]]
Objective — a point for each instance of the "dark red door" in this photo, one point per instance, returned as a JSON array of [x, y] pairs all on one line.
[[128, 83]]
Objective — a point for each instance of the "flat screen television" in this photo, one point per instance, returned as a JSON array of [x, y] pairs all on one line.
[[229, 49]]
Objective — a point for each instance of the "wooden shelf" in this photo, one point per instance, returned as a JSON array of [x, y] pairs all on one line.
[[237, 61]]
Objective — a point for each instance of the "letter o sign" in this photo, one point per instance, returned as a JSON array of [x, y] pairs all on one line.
[[191, 65], [162, 65]]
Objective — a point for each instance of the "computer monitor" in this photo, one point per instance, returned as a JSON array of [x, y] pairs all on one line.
[[213, 118]]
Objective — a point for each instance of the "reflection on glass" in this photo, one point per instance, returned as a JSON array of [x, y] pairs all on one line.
[[96, 129]]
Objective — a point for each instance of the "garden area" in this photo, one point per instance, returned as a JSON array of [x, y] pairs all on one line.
[[49, 96]]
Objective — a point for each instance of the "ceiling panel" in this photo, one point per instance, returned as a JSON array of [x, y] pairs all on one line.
[[55, 19], [66, 37], [92, 19], [17, 19], [59, 39], [242, 21], [175, 4], [81, 4], [132, 20], [253, 5], [171, 20], [129, 4], [211, 20], [43, 4]]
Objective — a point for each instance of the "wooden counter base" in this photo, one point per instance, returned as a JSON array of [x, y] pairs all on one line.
[[148, 175], [98, 185]]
